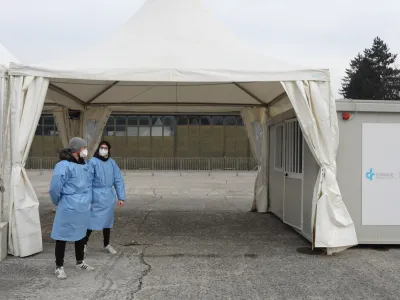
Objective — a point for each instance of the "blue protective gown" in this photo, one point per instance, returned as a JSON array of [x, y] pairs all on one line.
[[69, 191], [104, 176]]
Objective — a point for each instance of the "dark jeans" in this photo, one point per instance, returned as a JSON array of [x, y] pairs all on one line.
[[106, 236], [60, 252]]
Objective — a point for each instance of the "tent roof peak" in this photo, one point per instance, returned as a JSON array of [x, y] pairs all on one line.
[[171, 40], [6, 57]]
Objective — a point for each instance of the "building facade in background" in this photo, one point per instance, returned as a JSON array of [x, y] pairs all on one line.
[[157, 136]]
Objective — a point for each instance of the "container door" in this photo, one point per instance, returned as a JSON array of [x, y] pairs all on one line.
[[293, 175]]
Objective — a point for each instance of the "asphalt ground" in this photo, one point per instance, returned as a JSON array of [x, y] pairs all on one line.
[[192, 237]]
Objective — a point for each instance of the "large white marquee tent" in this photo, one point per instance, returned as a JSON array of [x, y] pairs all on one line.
[[173, 56]]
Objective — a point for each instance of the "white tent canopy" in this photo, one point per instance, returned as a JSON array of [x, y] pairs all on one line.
[[175, 49], [6, 57], [173, 56]]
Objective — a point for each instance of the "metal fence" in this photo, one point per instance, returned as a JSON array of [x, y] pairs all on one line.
[[162, 163]]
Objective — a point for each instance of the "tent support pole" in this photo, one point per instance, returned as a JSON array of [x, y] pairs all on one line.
[[250, 94]]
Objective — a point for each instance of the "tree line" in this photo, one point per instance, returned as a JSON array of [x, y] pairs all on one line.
[[372, 74]]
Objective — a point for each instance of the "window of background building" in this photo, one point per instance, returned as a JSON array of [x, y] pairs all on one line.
[[46, 126], [168, 120], [110, 127], [157, 126], [144, 121], [182, 120], [205, 120], [230, 121], [119, 125], [193, 120], [239, 121], [144, 128], [120, 128], [217, 120], [157, 121], [169, 125], [140, 125], [132, 128]]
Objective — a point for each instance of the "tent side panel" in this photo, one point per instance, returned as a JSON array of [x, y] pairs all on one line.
[[333, 227], [27, 99], [310, 174]]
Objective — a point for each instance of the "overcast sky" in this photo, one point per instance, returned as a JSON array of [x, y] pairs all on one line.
[[311, 33]]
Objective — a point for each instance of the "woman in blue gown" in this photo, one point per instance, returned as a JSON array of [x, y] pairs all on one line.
[[70, 192], [104, 177]]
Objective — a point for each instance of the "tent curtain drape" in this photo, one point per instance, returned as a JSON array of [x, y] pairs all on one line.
[[67, 128], [4, 147], [90, 126], [94, 120], [313, 103], [255, 121], [27, 98], [5, 157]]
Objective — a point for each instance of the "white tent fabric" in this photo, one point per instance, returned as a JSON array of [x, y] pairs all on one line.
[[332, 225], [27, 94], [174, 55], [5, 158], [255, 121], [6, 57], [173, 40], [3, 141], [169, 55]]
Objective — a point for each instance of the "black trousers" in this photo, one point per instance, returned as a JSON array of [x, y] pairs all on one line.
[[60, 252], [106, 236]]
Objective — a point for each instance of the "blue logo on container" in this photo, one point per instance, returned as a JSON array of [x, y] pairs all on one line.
[[370, 174]]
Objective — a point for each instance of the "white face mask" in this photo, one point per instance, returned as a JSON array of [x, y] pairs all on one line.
[[83, 153], [103, 152]]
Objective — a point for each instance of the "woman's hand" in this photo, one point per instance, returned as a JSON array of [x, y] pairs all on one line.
[[121, 203]]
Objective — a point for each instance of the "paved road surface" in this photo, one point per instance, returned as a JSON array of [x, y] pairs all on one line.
[[191, 237]]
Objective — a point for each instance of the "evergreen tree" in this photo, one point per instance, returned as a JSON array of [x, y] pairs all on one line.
[[372, 75]]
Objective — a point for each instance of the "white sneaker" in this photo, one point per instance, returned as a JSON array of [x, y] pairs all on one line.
[[60, 273], [84, 266], [110, 249]]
